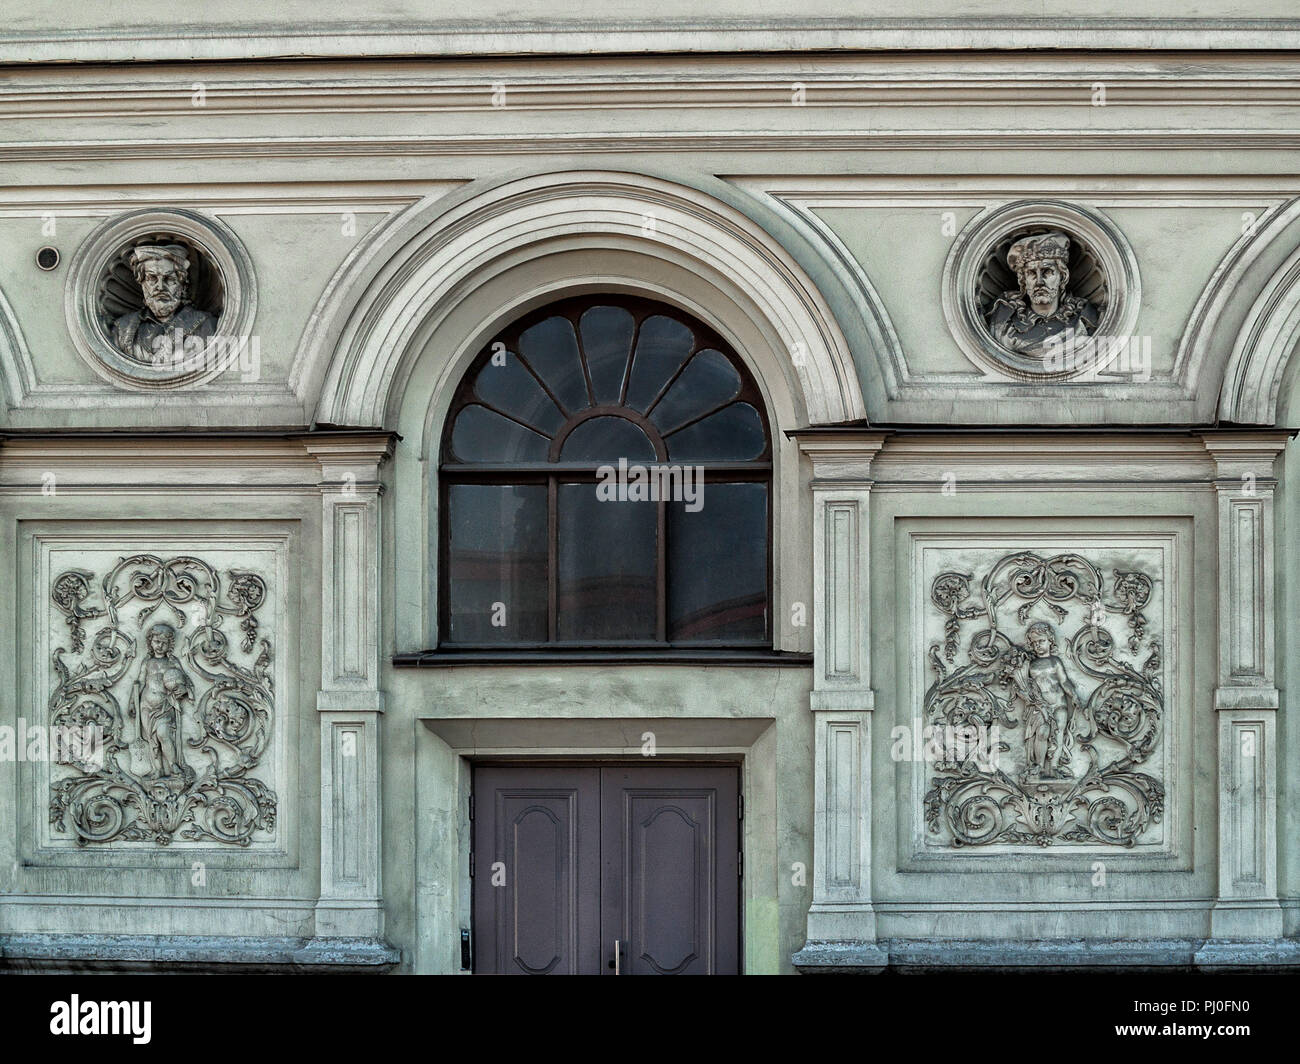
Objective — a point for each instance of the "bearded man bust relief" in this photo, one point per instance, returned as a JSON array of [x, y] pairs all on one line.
[[1041, 314], [156, 333]]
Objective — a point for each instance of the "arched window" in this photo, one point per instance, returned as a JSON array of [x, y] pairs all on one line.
[[606, 473]]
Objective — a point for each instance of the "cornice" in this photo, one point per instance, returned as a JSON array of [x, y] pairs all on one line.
[[1015, 457], [1014, 442], [351, 460], [813, 192], [223, 198], [112, 464], [373, 446], [1238, 453], [254, 460], [597, 86], [194, 444], [568, 35], [727, 141], [841, 460]]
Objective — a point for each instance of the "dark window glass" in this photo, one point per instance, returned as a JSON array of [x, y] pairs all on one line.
[[496, 563], [551, 349], [726, 538], [542, 544], [733, 433], [483, 435], [607, 567], [509, 388], [662, 346], [607, 342], [708, 381], [596, 439]]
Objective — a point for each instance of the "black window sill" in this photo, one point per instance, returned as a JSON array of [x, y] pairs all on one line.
[[757, 657]]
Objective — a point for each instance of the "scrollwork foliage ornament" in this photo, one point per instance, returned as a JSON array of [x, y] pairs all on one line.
[[184, 725], [1073, 770]]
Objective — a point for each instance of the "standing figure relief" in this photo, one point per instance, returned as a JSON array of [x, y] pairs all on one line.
[[1074, 718], [184, 729]]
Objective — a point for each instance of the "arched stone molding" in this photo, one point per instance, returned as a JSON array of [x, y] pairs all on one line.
[[431, 263], [1264, 346], [514, 285], [17, 373], [1240, 322]]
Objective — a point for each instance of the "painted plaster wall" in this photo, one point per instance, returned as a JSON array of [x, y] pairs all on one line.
[[323, 186], [1288, 657], [316, 166], [147, 29], [426, 845], [182, 889]]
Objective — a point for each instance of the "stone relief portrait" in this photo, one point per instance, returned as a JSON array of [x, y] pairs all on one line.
[[163, 298], [185, 710], [1040, 312], [155, 334], [1045, 289], [1070, 711]]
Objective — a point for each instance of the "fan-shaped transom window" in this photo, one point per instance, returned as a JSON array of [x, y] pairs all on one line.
[[606, 474]]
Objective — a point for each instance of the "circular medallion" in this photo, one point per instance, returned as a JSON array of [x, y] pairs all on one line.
[[161, 299], [1041, 290]]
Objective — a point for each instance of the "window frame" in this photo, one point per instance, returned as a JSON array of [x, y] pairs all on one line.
[[553, 473]]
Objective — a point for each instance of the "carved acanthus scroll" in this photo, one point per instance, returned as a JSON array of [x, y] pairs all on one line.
[[184, 722], [1075, 718]]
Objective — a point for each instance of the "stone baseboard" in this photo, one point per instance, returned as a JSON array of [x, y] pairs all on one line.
[[198, 954], [1050, 955], [841, 958]]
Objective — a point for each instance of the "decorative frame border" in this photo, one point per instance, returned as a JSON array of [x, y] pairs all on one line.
[[226, 254], [1173, 852], [39, 847], [981, 235]]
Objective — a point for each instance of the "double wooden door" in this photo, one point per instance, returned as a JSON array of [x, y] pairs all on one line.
[[606, 869]]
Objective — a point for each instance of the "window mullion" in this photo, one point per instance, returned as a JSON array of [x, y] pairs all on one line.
[[661, 573], [552, 561]]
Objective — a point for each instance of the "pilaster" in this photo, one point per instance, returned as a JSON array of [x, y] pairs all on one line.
[[1246, 696], [349, 701], [841, 920]]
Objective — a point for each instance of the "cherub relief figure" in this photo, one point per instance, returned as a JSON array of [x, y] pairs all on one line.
[[157, 698], [221, 709], [1086, 720], [1056, 715]]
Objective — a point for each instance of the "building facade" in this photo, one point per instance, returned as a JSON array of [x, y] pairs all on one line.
[[743, 493]]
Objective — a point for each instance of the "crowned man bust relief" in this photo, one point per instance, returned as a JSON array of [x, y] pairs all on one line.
[[1041, 313], [156, 333]]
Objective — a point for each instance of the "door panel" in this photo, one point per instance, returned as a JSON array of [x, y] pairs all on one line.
[[537, 870], [569, 859], [669, 869]]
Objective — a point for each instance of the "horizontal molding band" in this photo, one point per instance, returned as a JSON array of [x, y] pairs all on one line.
[[870, 90], [110, 901], [574, 36], [533, 143], [435, 659]]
